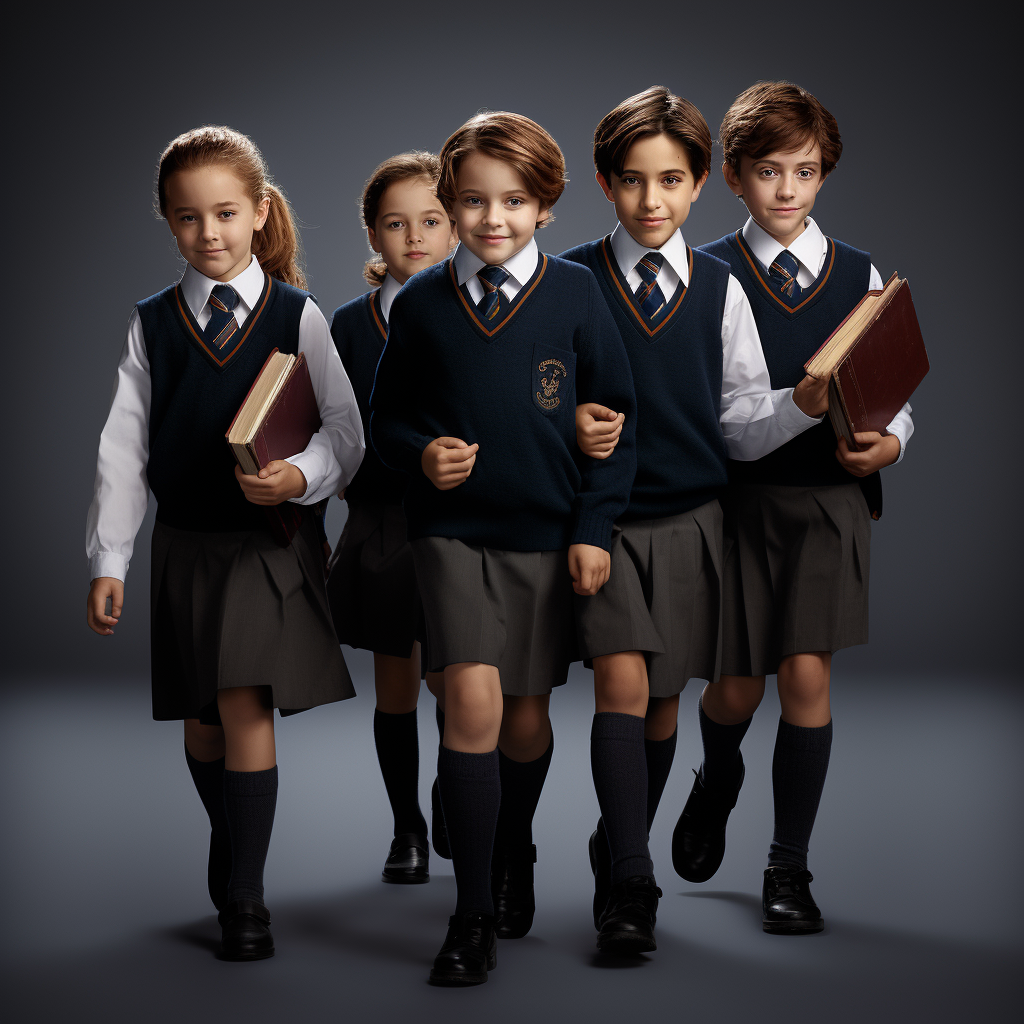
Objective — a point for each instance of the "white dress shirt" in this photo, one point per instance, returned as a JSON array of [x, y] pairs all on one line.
[[755, 420], [520, 269], [121, 491], [389, 288], [810, 250]]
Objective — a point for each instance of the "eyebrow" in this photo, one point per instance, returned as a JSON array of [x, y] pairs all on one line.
[[216, 206], [800, 163], [432, 210], [671, 170], [510, 192]]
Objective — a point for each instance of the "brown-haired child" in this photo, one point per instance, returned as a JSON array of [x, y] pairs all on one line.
[[372, 586], [704, 395], [240, 625], [797, 521], [474, 398]]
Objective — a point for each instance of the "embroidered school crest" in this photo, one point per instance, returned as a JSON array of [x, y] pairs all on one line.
[[551, 372]]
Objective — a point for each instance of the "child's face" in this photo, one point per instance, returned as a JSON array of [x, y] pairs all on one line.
[[653, 194], [779, 189], [213, 219], [412, 231], [494, 214]]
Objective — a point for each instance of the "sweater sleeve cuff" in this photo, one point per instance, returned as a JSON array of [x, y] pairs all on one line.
[[108, 563], [593, 528]]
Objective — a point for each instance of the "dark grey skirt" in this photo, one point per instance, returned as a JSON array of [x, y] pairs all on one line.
[[796, 573], [663, 598], [372, 586], [511, 609], [236, 609]]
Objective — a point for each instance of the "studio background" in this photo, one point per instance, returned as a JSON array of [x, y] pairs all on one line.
[[925, 184]]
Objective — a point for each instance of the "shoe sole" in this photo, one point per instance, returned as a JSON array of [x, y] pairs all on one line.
[[456, 980], [262, 954], [627, 942], [512, 933], [793, 927], [404, 881]]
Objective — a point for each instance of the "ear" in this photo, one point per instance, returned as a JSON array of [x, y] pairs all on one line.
[[603, 182], [371, 237], [262, 210], [732, 179], [543, 216], [699, 186]]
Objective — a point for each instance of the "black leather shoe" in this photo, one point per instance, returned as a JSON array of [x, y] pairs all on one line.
[[245, 933], [601, 865], [512, 889], [627, 924], [698, 840], [407, 860], [470, 950], [788, 908], [438, 829]]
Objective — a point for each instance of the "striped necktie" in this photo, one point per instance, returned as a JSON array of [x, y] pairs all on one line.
[[223, 325], [492, 278], [782, 274], [648, 295]]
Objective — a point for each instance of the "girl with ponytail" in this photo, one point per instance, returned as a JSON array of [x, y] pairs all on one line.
[[239, 624], [372, 586]]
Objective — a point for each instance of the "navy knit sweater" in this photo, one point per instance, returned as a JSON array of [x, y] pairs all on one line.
[[196, 393], [511, 385], [359, 333], [789, 337], [676, 360]]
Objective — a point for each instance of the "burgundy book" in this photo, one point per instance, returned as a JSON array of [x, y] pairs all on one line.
[[876, 358], [276, 421]]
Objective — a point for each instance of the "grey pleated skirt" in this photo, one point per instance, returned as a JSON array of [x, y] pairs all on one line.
[[796, 573], [512, 609], [236, 609], [663, 598], [372, 586]]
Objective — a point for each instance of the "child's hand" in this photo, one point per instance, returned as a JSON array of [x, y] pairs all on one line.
[[597, 429], [811, 396], [447, 461], [277, 481], [96, 604], [589, 567], [882, 450]]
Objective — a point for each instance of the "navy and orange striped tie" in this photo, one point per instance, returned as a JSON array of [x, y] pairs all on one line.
[[648, 295], [492, 278], [223, 325], [782, 274]]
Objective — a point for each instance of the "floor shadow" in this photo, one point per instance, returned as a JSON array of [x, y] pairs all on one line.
[[203, 934]]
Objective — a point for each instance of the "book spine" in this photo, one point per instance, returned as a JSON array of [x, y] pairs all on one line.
[[244, 458]]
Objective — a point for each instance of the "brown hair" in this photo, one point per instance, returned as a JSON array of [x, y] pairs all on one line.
[[276, 244], [416, 164], [515, 139], [655, 111], [773, 117]]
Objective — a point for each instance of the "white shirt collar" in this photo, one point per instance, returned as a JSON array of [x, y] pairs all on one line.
[[629, 252], [388, 290], [248, 285], [808, 248], [521, 266]]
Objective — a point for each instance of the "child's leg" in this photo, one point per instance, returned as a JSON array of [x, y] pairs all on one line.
[[659, 748], [396, 736], [204, 755], [438, 832], [802, 749]]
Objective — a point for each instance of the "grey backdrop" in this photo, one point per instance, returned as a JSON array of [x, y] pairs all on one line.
[[328, 92]]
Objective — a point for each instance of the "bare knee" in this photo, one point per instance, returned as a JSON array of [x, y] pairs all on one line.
[[204, 742], [660, 721], [473, 707], [525, 727], [620, 683], [804, 689], [733, 699], [397, 683]]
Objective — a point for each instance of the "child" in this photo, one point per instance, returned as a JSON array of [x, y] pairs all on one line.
[[372, 586], [475, 396], [797, 525], [240, 625], [703, 394]]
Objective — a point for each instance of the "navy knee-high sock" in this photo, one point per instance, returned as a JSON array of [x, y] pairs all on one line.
[[250, 799], [799, 768], [721, 767], [521, 785], [398, 751], [659, 755], [208, 777], [470, 786], [620, 778]]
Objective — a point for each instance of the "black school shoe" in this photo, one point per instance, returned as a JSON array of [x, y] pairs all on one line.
[[408, 860], [627, 924], [601, 865], [245, 931], [438, 829], [512, 889], [788, 908], [469, 951], [698, 840]]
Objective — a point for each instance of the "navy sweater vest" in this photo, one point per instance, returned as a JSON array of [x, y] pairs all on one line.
[[511, 385], [676, 361], [196, 393], [359, 333], [789, 338]]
